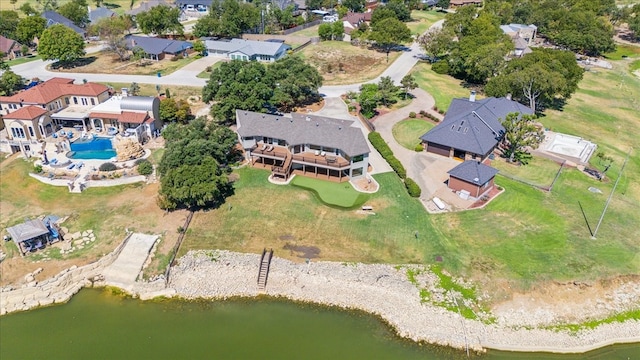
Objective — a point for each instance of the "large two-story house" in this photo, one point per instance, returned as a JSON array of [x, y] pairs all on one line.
[[33, 114], [306, 145]]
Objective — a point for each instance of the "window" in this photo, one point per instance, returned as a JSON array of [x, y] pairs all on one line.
[[18, 133], [31, 132], [93, 102], [66, 100], [75, 100], [356, 172], [84, 101], [358, 158]]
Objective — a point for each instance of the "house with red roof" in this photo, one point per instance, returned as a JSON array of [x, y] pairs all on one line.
[[25, 128], [10, 48], [137, 117]]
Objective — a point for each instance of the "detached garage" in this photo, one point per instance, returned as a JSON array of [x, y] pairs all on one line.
[[472, 177]]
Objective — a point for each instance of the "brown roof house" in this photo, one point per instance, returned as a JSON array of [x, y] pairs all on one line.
[[472, 128], [471, 178], [10, 48], [307, 145], [25, 128]]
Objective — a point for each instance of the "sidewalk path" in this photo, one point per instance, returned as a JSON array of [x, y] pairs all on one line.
[[125, 269]]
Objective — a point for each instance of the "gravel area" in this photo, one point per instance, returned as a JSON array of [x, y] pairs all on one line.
[[378, 289]]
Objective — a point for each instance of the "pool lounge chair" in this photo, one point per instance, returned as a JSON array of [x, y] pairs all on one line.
[[80, 165], [71, 166]]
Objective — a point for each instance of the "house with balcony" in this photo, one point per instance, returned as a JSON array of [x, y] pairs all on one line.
[[306, 145], [25, 128]]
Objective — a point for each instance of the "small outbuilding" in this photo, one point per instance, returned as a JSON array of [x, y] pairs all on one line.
[[32, 235], [472, 177]]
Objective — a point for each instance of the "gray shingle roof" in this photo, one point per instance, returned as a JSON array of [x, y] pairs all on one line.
[[474, 126], [53, 18], [473, 172], [156, 46], [27, 230], [304, 129], [100, 13], [147, 5], [193, 2], [248, 47]]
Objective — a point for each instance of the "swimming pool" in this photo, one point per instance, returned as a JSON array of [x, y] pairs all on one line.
[[99, 148]]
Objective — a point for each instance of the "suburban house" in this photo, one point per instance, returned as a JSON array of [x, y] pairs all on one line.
[[306, 145], [158, 48], [240, 49], [525, 32], [54, 18], [147, 5], [134, 116], [25, 128], [472, 128], [100, 13], [194, 5], [10, 48], [472, 178], [458, 3], [353, 20]]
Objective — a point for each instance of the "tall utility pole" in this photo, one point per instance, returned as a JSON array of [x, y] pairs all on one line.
[[595, 232]]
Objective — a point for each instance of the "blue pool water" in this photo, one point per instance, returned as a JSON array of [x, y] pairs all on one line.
[[97, 148]]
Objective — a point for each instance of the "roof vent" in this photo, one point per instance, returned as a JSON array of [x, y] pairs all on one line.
[[308, 118], [277, 118], [339, 127], [317, 124], [263, 116], [476, 179], [291, 120], [472, 96]]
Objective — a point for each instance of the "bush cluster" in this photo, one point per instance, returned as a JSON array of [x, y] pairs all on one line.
[[412, 187], [440, 67], [144, 167], [412, 115], [378, 142], [108, 166], [419, 148]]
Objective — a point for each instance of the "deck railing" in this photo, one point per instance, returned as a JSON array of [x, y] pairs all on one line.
[[327, 161]]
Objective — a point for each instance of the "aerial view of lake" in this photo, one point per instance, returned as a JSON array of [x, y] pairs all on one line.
[[96, 324]]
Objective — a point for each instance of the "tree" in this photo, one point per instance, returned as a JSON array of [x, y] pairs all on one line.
[[76, 11], [228, 19], [520, 134], [354, 5], [3, 64], [47, 5], [381, 13], [408, 83], [331, 31], [539, 78], [160, 20], [29, 28], [443, 4], [387, 91], [207, 26], [175, 111], [10, 83], [296, 83], [388, 33], [9, 20], [435, 42], [193, 168], [60, 43], [634, 25], [134, 89], [199, 47], [111, 31], [368, 99], [400, 9], [27, 9]]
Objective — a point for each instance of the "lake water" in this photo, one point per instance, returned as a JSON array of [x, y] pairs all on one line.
[[98, 325]]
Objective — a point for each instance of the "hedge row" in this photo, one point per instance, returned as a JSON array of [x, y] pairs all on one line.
[[412, 187], [378, 142]]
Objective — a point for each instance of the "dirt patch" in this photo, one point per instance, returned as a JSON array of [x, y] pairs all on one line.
[[301, 251], [317, 106], [106, 63]]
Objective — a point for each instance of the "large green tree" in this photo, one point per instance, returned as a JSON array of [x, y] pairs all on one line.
[[436, 41], [388, 33], [160, 20], [193, 169], [228, 18], [538, 79], [10, 82], [59, 42], [111, 31], [331, 31], [400, 9], [29, 28], [76, 11], [354, 5], [521, 134], [9, 20], [252, 86]]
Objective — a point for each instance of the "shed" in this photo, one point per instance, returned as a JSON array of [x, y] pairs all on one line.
[[474, 177]]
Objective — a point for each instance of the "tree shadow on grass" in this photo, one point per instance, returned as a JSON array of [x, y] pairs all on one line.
[[73, 64]]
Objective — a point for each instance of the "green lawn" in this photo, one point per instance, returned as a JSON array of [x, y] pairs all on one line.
[[308, 32], [333, 194], [539, 171], [407, 132], [422, 20], [443, 88], [206, 74], [24, 59], [623, 51]]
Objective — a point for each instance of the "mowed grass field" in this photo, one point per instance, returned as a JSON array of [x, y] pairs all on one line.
[[422, 20], [118, 6], [407, 132], [341, 195], [443, 88]]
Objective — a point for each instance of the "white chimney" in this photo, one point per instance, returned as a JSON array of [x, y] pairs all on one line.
[[125, 92], [472, 97], [508, 96]]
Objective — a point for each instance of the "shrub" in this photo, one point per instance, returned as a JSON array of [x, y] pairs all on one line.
[[435, 108], [378, 142], [412, 114], [419, 148], [144, 167], [177, 57], [108, 166], [208, 69], [423, 113], [397, 166], [412, 188], [37, 169], [440, 67]]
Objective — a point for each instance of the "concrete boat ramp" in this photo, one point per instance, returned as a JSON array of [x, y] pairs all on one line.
[[124, 271]]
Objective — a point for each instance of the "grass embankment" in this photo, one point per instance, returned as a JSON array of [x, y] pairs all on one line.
[[108, 211], [407, 132], [539, 171], [107, 63], [443, 88], [341, 63], [422, 20], [24, 59], [592, 324], [206, 74], [262, 215], [341, 195]]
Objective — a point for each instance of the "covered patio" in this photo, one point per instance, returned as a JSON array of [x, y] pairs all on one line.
[[32, 235]]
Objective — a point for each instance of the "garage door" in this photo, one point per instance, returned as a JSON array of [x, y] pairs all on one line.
[[438, 149]]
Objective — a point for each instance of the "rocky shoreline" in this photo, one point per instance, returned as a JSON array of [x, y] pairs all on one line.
[[379, 289]]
